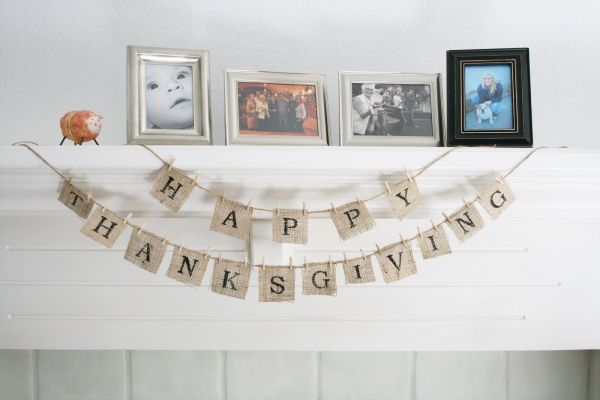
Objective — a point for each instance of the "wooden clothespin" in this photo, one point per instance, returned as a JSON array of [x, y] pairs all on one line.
[[434, 226], [141, 228], [207, 254], [362, 253], [126, 219], [387, 187]]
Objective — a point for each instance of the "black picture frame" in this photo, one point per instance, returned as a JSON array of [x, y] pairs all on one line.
[[470, 121]]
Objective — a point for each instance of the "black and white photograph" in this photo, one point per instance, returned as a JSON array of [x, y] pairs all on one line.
[[169, 97]]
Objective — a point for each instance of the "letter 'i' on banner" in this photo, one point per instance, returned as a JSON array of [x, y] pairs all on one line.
[[434, 242], [172, 188], [232, 218], [290, 226], [404, 197], [396, 261], [146, 250], [465, 222], [188, 266], [104, 226], [231, 278], [75, 199], [359, 270], [276, 283], [497, 198], [351, 219], [319, 279]]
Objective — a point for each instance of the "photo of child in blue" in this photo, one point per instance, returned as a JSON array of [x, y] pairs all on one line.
[[488, 95]]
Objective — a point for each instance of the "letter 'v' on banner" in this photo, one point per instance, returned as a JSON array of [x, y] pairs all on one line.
[[351, 219], [231, 278], [232, 218], [146, 250], [104, 226], [497, 198], [75, 199], [276, 284], [396, 261], [172, 188]]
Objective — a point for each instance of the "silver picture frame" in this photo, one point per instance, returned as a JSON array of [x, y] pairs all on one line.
[[233, 78], [432, 135], [138, 129]]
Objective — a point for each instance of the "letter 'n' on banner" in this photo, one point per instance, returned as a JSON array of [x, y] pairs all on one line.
[[359, 270], [465, 222], [188, 266], [497, 198], [404, 197], [276, 283], [104, 226], [75, 199], [172, 188], [319, 279], [351, 219], [231, 278], [433, 242], [396, 261], [146, 250], [232, 218], [290, 226]]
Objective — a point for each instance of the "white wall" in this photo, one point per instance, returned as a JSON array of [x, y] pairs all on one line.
[[61, 55]]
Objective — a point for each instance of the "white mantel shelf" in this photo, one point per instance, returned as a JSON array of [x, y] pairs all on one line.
[[528, 280]]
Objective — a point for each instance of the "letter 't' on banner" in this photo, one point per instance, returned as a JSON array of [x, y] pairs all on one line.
[[434, 242], [319, 279], [75, 199], [232, 218], [396, 261], [231, 278], [276, 283], [172, 188], [146, 250], [404, 197], [188, 266], [290, 226], [465, 222], [351, 219], [497, 198], [359, 270], [104, 226]]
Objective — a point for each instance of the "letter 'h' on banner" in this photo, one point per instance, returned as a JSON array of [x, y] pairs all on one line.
[[172, 188]]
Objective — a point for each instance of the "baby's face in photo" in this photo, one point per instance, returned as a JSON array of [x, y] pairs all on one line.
[[169, 96]]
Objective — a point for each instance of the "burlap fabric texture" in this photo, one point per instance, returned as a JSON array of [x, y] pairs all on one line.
[[231, 278], [465, 222], [276, 283], [188, 266], [359, 270], [351, 219], [497, 198], [290, 226], [75, 199], [396, 261], [319, 279], [434, 242], [404, 197], [146, 250], [172, 188], [103, 226], [232, 218]]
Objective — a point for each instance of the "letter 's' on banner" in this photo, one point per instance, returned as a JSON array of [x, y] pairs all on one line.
[[75, 199], [232, 218], [465, 222], [172, 188], [188, 266], [434, 242], [104, 226], [319, 279], [146, 250], [404, 197], [290, 226], [497, 198], [351, 219], [231, 278], [396, 261], [359, 270], [276, 283]]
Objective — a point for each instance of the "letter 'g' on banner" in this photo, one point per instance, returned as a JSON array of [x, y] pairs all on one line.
[[146, 250], [404, 197], [75, 199], [172, 188], [319, 279], [434, 243], [232, 218], [276, 283], [497, 198], [188, 266], [396, 261], [103, 226], [351, 219], [231, 278], [290, 226]]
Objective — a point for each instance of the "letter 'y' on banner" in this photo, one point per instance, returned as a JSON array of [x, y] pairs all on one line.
[[465, 222], [290, 226], [231, 278], [351, 219], [75, 199], [404, 197], [172, 188], [146, 250], [497, 198], [396, 261], [276, 283], [319, 279], [104, 226], [433, 243], [232, 218], [359, 270], [188, 266]]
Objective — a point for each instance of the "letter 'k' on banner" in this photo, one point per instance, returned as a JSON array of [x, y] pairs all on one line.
[[231, 278], [276, 283], [232, 218], [351, 219], [172, 188]]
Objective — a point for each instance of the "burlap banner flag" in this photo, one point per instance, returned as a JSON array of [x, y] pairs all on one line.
[[434, 242], [465, 222], [396, 261], [232, 218], [188, 266], [351, 219], [75, 199], [404, 197], [104, 226], [290, 226], [497, 198], [231, 278], [146, 250], [319, 279], [276, 284], [359, 270], [172, 188]]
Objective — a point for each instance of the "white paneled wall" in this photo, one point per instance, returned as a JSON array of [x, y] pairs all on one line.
[[213, 375]]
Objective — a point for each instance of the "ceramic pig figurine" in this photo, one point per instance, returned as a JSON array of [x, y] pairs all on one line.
[[80, 126]]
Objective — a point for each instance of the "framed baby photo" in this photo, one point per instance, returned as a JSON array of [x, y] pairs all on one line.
[[390, 109], [168, 100], [489, 98], [275, 108]]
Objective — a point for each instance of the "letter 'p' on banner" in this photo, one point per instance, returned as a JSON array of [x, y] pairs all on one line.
[[319, 279], [75, 199], [231, 278], [172, 188], [351, 219], [146, 250], [497, 198], [276, 283], [104, 226], [232, 218], [290, 226], [188, 266]]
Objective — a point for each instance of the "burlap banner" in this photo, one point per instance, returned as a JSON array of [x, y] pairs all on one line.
[[404, 197], [319, 279], [104, 226], [434, 242], [172, 188], [351, 219], [290, 226], [358, 270], [146, 250], [465, 222], [232, 218], [396, 261], [497, 198], [276, 284], [231, 278], [81, 203], [188, 266]]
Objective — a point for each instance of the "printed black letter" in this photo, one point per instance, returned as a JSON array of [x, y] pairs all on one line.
[[168, 186], [108, 228], [230, 217]]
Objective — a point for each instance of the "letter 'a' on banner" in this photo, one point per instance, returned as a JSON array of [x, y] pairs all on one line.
[[396, 261], [465, 222], [290, 226], [319, 279], [434, 242], [231, 278], [104, 226], [172, 188], [404, 197], [276, 284], [188, 266], [359, 270], [146, 250], [232, 218], [497, 198], [351, 219], [75, 199]]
